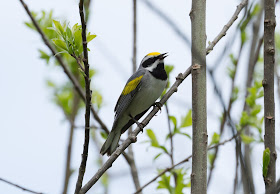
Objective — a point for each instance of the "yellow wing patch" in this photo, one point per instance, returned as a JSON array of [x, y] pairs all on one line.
[[131, 85], [153, 54]]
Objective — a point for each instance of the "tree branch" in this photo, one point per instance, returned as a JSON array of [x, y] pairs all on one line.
[[131, 161], [268, 85], [183, 161], [72, 117], [133, 137], [20, 187], [83, 164], [227, 26]]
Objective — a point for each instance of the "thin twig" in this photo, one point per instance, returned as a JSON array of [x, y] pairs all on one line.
[[74, 81], [170, 134], [133, 137], [20, 187], [182, 35], [226, 114], [227, 26], [183, 161], [83, 164], [131, 162], [72, 117]]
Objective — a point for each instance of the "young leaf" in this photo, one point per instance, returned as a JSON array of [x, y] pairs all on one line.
[[215, 139], [247, 139], [90, 37], [153, 138], [60, 43], [266, 160], [174, 121], [157, 156], [59, 28], [187, 120]]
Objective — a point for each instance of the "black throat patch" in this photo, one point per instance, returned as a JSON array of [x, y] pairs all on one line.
[[159, 72]]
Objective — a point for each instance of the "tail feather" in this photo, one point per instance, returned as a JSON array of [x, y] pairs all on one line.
[[111, 143]]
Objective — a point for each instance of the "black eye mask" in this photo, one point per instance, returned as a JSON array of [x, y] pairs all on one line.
[[149, 62]]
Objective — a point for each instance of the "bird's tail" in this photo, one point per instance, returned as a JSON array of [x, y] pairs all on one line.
[[111, 142]]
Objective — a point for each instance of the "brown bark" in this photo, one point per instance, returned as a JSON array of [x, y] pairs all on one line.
[[268, 85]]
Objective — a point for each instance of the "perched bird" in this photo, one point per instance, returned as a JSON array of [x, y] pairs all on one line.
[[141, 91]]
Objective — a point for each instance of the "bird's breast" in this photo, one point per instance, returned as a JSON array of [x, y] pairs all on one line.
[[150, 91]]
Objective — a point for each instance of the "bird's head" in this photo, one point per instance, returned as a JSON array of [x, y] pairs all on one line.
[[153, 61]]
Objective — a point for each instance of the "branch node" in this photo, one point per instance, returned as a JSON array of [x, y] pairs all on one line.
[[264, 82], [196, 66], [133, 138], [180, 77]]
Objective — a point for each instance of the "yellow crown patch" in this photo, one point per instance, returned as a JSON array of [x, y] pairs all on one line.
[[153, 54]]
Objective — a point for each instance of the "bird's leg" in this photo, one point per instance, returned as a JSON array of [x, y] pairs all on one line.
[[158, 104], [140, 125]]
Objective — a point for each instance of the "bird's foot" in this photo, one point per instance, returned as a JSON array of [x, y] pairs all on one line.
[[159, 105], [140, 125]]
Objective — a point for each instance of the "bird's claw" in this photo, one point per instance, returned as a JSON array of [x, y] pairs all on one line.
[[159, 105]]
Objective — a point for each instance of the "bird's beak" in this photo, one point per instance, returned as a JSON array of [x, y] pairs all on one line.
[[162, 56]]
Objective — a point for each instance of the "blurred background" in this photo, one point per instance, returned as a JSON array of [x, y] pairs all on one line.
[[34, 131]]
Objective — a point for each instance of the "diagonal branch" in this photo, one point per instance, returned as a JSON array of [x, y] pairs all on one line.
[[83, 164], [227, 26], [132, 137], [20, 187], [183, 161], [177, 30]]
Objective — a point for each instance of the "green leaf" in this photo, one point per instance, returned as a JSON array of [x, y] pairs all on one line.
[[243, 36], [215, 139], [187, 120], [59, 27], [50, 84], [174, 121], [104, 135], [60, 43], [235, 94], [45, 56], [168, 69], [211, 158], [266, 160], [233, 59], [164, 149], [157, 156], [180, 180], [90, 37], [185, 134], [153, 138], [247, 139], [164, 183], [256, 109], [244, 119]]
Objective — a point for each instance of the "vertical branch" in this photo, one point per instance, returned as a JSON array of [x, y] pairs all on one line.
[[199, 147], [247, 175], [268, 84], [171, 136], [88, 102], [75, 107], [131, 161], [134, 35]]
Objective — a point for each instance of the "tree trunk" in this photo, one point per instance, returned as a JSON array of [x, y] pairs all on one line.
[[199, 147]]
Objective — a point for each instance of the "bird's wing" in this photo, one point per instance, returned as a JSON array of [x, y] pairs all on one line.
[[132, 86]]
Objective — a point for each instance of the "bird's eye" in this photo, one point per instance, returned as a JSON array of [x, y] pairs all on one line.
[[149, 62]]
